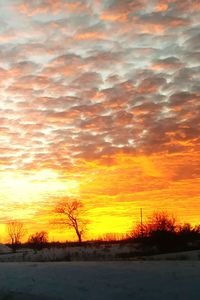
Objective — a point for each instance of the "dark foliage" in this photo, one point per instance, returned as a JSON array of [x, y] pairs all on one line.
[[38, 240], [162, 233]]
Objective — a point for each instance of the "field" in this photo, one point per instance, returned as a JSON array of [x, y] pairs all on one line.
[[98, 272], [138, 280]]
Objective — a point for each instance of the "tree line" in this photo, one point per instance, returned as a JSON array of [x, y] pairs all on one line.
[[161, 230], [69, 212], [164, 232]]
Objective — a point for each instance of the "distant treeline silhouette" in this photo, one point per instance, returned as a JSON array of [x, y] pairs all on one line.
[[164, 233], [160, 233]]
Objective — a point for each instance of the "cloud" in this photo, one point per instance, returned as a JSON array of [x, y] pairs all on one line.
[[169, 63], [101, 88], [120, 11], [32, 8]]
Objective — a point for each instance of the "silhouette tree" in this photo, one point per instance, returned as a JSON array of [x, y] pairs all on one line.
[[71, 213], [16, 232], [189, 233], [160, 230], [163, 233], [161, 221], [38, 239]]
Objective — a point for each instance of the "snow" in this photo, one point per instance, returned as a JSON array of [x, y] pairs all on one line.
[[97, 252], [109, 252], [4, 249], [184, 255], [73, 253], [135, 280]]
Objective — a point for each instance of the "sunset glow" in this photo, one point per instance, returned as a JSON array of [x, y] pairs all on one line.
[[100, 101]]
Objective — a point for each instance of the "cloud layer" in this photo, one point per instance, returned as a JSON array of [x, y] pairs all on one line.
[[87, 82]]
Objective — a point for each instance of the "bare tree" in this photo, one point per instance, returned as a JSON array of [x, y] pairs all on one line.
[[158, 222], [16, 232], [38, 240], [71, 213], [162, 221]]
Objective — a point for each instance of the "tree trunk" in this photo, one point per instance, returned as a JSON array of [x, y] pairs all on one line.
[[79, 236]]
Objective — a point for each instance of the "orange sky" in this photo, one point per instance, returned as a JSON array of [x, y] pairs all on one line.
[[113, 191], [99, 102]]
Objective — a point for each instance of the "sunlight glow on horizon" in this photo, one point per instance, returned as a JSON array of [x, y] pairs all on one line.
[[99, 102], [99, 187], [33, 184]]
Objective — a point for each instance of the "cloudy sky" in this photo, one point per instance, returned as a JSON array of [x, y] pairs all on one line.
[[100, 100]]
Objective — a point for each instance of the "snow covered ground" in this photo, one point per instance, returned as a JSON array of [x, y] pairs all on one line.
[[93, 252], [104, 252], [184, 255], [4, 249], [136, 280]]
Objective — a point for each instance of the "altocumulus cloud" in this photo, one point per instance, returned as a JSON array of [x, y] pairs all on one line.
[[87, 80]]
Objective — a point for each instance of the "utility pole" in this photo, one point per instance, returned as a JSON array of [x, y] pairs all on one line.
[[141, 223]]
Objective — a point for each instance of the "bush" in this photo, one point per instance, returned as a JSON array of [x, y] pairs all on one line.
[[38, 240]]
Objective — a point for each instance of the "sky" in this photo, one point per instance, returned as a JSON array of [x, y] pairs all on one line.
[[100, 101]]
